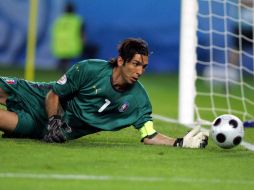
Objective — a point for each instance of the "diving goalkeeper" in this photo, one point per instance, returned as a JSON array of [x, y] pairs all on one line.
[[92, 96]]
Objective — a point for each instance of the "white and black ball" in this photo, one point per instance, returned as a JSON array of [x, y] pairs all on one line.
[[227, 131]]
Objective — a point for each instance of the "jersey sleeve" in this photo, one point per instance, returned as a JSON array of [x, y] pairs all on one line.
[[145, 111], [71, 81]]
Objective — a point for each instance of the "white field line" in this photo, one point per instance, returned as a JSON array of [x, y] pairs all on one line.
[[246, 145], [80, 177], [212, 181]]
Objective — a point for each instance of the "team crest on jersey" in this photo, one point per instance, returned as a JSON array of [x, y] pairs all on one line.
[[123, 107], [10, 81], [62, 80]]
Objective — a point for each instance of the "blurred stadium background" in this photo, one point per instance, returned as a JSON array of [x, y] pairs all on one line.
[[107, 23]]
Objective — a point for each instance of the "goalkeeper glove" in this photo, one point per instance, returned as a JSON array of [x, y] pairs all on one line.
[[57, 130], [194, 139]]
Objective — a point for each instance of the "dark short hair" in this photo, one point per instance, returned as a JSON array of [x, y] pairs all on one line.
[[129, 47]]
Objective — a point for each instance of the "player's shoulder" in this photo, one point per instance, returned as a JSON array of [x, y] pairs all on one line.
[[140, 89], [94, 64], [139, 86], [141, 95], [93, 61]]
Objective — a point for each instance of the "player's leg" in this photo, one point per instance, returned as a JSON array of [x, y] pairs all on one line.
[[8, 121]]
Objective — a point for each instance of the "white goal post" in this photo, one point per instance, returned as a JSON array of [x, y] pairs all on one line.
[[188, 44], [216, 72]]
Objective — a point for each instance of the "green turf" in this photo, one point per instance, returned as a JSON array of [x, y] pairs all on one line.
[[121, 157]]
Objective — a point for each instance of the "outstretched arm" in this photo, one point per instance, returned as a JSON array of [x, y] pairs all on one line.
[[193, 139], [159, 139]]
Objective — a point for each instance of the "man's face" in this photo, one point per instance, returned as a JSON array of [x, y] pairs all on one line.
[[134, 68]]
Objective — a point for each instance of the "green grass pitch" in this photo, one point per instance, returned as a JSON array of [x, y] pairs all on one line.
[[117, 160]]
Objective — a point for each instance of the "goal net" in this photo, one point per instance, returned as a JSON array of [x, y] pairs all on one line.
[[224, 64]]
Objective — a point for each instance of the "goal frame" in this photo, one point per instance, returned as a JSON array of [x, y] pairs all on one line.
[[188, 58]]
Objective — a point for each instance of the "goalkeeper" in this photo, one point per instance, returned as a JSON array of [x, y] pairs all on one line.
[[93, 96]]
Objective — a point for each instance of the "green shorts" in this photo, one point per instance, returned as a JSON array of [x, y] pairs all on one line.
[[27, 127]]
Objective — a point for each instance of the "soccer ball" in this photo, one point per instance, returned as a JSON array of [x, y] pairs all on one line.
[[227, 131]]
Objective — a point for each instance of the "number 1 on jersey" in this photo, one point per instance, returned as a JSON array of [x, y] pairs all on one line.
[[103, 107]]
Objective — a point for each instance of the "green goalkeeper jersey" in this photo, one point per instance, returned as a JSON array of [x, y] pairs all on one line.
[[89, 98]]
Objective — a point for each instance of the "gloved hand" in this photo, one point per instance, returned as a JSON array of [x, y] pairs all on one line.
[[194, 139], [57, 130]]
